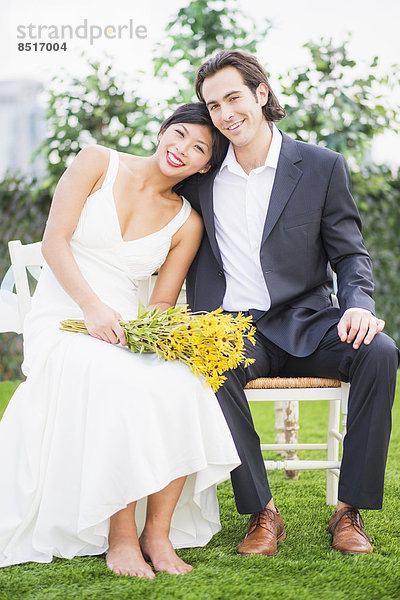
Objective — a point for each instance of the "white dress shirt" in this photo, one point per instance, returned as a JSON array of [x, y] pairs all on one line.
[[240, 208]]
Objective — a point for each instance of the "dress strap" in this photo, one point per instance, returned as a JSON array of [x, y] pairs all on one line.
[[180, 218], [112, 169]]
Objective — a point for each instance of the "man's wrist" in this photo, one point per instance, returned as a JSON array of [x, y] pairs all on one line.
[[355, 308]]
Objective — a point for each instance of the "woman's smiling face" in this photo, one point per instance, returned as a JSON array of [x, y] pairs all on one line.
[[184, 149]]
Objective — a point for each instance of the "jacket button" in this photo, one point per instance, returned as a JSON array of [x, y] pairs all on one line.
[[220, 273]]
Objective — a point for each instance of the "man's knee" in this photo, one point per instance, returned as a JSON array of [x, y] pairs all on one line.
[[383, 351]]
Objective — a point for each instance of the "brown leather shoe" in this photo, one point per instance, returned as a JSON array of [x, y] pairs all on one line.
[[264, 529], [347, 529]]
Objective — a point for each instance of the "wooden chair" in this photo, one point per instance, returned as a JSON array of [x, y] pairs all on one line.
[[285, 392]]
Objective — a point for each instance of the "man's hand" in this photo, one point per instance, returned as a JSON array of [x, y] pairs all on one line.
[[359, 325]]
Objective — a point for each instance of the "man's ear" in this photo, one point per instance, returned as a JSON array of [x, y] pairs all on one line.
[[205, 169], [262, 92]]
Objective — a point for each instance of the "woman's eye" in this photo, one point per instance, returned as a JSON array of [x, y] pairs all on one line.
[[199, 148], [180, 132]]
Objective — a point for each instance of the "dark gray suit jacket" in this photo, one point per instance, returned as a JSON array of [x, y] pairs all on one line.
[[312, 223]]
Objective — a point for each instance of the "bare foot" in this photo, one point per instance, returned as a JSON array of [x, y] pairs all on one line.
[[125, 558], [162, 555]]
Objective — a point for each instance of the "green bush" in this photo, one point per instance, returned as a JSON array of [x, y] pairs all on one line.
[[327, 103], [378, 195], [331, 104]]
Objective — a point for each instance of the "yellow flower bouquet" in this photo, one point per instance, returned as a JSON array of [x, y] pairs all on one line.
[[209, 343]]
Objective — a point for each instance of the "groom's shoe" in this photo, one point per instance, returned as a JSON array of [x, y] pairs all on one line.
[[347, 529], [264, 529]]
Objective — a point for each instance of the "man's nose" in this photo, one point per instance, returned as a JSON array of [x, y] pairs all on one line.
[[226, 112]]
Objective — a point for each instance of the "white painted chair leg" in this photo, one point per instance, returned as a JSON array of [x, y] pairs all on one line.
[[345, 389], [279, 426], [333, 450]]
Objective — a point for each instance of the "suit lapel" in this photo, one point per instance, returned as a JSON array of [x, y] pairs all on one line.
[[286, 178], [207, 211]]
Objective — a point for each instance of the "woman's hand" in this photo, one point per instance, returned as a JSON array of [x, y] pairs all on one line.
[[102, 322]]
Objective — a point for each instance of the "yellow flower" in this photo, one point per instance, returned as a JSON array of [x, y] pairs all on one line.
[[209, 343]]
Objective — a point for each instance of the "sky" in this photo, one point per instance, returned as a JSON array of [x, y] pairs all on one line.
[[373, 27]]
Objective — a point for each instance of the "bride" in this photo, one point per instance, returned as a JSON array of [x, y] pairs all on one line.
[[103, 450]]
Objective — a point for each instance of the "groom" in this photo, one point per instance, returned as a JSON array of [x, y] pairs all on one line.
[[278, 213]]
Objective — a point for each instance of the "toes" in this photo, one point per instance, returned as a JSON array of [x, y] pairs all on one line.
[[185, 568], [166, 567], [130, 568], [133, 572], [143, 573], [173, 568]]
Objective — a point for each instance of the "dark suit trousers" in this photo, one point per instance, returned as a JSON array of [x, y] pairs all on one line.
[[371, 370]]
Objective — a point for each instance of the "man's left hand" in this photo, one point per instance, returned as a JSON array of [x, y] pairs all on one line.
[[359, 325]]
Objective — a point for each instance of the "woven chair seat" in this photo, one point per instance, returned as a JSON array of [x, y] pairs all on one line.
[[272, 383]]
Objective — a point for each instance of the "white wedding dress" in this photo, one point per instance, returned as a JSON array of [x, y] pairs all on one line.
[[94, 426]]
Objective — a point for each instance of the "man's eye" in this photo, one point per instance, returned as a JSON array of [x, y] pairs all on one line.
[[233, 97], [213, 106]]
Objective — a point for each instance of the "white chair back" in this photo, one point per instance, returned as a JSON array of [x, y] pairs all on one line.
[[24, 258], [28, 258]]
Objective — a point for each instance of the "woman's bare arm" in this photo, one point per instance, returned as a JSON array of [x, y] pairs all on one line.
[[71, 192], [173, 272]]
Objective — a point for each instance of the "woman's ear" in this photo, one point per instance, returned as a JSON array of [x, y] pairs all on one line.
[[205, 169], [159, 136]]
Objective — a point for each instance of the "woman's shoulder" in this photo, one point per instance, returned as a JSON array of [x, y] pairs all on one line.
[[93, 160], [189, 233], [193, 221], [94, 151], [90, 165]]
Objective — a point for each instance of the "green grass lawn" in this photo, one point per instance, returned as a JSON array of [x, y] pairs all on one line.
[[304, 569]]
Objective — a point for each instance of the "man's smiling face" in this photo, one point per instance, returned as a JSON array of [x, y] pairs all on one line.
[[233, 107]]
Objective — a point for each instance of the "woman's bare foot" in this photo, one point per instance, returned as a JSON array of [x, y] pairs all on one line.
[[162, 554], [126, 558]]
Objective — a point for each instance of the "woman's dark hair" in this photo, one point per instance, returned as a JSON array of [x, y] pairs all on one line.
[[197, 113], [252, 74]]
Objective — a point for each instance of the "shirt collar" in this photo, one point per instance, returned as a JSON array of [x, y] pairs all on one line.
[[232, 164]]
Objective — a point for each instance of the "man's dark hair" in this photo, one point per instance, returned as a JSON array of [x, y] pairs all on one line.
[[252, 74], [197, 113]]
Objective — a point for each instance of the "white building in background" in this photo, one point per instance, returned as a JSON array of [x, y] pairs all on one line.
[[22, 126]]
